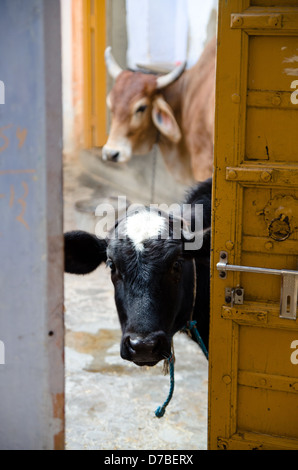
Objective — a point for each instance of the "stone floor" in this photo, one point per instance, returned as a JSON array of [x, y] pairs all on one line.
[[110, 402]]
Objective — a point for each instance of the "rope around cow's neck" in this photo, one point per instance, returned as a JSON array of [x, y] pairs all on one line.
[[190, 327]]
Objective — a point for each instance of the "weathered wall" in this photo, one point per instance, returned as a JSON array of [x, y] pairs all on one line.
[[31, 275]]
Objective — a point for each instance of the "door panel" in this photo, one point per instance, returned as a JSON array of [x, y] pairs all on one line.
[[253, 391]]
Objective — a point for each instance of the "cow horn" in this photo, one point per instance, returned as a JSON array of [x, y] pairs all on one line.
[[113, 68], [169, 78]]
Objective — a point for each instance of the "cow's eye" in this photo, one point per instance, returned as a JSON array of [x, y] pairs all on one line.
[[142, 108], [111, 265], [177, 266]]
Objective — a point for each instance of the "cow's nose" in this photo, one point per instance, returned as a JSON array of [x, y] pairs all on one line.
[[146, 350], [110, 154]]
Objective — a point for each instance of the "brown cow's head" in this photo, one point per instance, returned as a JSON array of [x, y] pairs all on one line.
[[138, 111]]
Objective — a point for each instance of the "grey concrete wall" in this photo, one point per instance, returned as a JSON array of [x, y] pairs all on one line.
[[31, 275]]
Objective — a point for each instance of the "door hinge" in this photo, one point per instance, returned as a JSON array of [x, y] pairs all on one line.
[[289, 283]]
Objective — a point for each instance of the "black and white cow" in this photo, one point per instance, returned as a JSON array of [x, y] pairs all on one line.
[[153, 275]]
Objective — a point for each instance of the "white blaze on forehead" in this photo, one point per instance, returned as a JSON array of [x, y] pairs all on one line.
[[144, 225]]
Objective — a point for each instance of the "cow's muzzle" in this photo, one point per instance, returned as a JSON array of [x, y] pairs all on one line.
[[145, 350], [121, 153]]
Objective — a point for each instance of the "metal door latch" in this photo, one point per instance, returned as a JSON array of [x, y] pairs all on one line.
[[289, 283], [234, 296]]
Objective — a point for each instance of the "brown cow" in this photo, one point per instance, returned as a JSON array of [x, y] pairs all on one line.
[[176, 111]]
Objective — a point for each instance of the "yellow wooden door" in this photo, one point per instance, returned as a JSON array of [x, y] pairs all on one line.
[[253, 391], [95, 89]]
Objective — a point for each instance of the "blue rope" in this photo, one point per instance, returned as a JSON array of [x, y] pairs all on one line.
[[192, 327], [160, 411]]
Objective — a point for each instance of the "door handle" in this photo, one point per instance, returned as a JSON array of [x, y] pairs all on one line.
[[289, 283]]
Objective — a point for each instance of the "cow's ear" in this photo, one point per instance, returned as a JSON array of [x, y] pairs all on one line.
[[83, 252], [164, 119]]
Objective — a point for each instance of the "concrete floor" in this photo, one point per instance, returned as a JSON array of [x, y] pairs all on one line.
[[110, 402]]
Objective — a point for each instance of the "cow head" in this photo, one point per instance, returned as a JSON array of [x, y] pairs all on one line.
[[139, 112], [153, 276]]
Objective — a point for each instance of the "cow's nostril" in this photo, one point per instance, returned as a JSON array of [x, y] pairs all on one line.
[[135, 345], [110, 154], [114, 156]]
